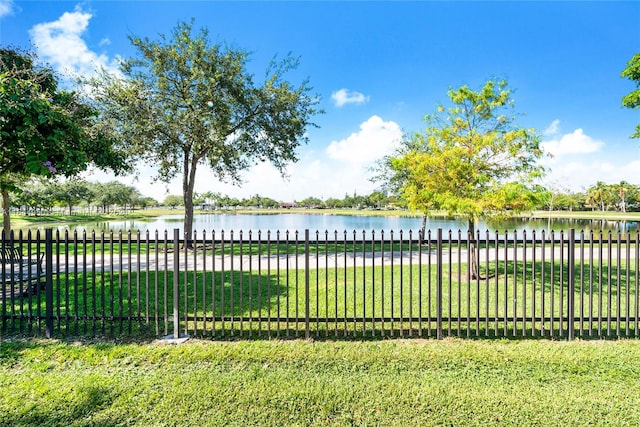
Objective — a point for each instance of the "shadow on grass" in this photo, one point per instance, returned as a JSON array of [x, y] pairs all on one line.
[[588, 278], [350, 334], [78, 408], [141, 304], [247, 304]]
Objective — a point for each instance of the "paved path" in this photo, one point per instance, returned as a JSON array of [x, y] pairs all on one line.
[[340, 260]]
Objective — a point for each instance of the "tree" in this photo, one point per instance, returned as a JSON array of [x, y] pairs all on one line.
[[605, 196], [35, 198], [114, 193], [45, 131], [630, 195], [71, 192], [310, 202], [145, 202], [471, 161], [632, 99], [187, 102], [570, 201], [377, 199], [601, 195], [90, 196], [333, 203], [173, 201], [257, 201]]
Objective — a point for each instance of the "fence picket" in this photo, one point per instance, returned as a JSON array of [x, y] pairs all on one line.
[[356, 284]]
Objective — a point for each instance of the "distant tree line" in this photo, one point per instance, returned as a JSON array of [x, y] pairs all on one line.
[[603, 197], [43, 196], [621, 197], [210, 200]]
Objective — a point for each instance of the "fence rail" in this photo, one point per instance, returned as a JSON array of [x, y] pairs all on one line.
[[325, 285]]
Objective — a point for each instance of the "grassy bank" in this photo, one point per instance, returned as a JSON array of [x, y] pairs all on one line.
[[595, 215], [391, 383], [18, 220]]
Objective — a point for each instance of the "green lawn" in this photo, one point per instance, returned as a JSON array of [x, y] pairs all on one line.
[[363, 302], [298, 383]]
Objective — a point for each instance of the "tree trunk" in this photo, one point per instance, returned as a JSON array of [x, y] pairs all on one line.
[[6, 214], [188, 182], [423, 228], [474, 254]]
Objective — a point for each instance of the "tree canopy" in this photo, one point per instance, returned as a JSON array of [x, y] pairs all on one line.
[[186, 102], [45, 131], [471, 160], [632, 99]]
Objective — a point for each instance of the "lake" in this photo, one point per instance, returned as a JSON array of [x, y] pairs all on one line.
[[299, 222]]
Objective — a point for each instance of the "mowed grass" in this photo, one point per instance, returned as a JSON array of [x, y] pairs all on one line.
[[301, 383], [353, 301]]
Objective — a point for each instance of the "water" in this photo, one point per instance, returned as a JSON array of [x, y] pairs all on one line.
[[293, 222]]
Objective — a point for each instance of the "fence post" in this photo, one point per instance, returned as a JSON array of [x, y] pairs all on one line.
[[176, 280], [439, 285], [48, 287], [306, 284], [571, 283]]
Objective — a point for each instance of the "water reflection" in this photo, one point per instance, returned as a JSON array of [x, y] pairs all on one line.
[[558, 224], [293, 222]]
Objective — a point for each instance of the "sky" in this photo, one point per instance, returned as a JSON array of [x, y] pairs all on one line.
[[379, 68]]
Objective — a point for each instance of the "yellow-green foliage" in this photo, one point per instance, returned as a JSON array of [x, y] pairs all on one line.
[[472, 160]]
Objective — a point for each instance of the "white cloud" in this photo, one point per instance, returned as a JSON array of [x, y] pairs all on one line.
[[341, 169], [311, 176], [375, 139], [319, 174], [61, 44], [346, 96], [6, 8], [576, 142], [579, 161], [553, 128], [576, 163], [579, 175]]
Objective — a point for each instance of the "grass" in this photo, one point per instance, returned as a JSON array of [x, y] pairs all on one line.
[[356, 301], [300, 383], [61, 218], [596, 215], [326, 382]]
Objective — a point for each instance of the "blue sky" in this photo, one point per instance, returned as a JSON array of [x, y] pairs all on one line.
[[379, 67]]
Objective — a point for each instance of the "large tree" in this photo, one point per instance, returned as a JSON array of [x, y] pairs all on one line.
[[71, 192], [472, 160], [186, 102], [115, 193], [45, 131], [632, 99]]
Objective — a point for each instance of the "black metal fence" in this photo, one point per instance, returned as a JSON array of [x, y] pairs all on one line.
[[322, 285]]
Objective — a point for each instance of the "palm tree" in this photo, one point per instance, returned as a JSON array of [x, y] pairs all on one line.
[[597, 194]]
